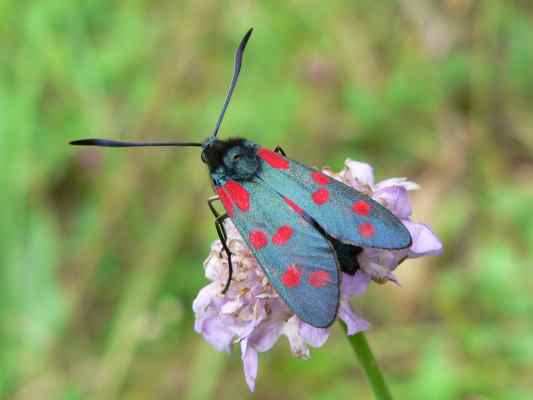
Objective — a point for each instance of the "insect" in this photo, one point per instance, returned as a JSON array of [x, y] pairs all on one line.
[[302, 226]]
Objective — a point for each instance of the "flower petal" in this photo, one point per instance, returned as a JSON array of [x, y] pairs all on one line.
[[354, 285], [250, 363], [359, 173], [231, 306], [204, 297], [292, 331], [378, 263], [395, 198], [353, 322], [315, 337], [372, 263], [217, 333], [425, 243], [403, 182], [266, 335]]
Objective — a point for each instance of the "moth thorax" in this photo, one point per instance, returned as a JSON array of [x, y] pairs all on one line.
[[241, 163]]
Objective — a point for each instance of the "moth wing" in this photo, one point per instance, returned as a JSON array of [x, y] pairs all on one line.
[[343, 212], [299, 262]]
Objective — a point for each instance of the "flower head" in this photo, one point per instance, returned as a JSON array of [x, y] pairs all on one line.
[[252, 314]]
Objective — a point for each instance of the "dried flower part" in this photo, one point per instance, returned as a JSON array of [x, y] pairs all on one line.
[[252, 314]]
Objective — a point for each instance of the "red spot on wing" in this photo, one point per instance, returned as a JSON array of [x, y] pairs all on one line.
[[238, 194], [291, 277], [273, 159], [226, 201], [258, 239], [366, 229], [319, 279], [294, 206], [361, 207], [282, 235], [320, 196], [320, 178]]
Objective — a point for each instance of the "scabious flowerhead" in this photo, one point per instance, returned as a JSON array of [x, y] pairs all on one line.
[[252, 314]]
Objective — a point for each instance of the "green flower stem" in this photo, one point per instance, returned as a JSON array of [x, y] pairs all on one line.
[[370, 367]]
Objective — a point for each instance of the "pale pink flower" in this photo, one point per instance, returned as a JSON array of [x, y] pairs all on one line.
[[252, 314]]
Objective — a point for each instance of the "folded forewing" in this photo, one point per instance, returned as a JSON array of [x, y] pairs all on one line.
[[343, 212], [299, 262]]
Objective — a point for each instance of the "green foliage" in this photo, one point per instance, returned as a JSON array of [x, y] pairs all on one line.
[[101, 251]]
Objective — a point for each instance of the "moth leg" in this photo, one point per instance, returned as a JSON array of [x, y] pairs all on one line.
[[210, 202], [217, 215], [279, 150], [223, 236]]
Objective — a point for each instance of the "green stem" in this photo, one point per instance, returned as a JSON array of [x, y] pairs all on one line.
[[370, 366]]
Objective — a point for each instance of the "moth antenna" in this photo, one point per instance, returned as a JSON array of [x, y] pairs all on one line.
[[116, 143], [236, 70]]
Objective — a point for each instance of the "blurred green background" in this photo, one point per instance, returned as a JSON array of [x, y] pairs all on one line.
[[101, 250]]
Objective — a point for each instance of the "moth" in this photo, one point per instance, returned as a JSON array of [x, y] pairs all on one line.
[[303, 227]]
